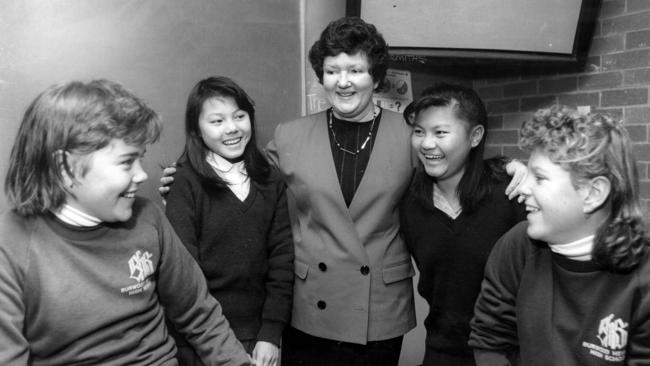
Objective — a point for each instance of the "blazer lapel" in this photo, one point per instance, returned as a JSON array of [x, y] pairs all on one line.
[[323, 158], [324, 169], [372, 173]]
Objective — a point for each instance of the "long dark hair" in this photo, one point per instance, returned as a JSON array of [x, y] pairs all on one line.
[[474, 185], [195, 149]]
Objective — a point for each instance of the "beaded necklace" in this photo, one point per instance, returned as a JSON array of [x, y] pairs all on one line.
[[336, 142]]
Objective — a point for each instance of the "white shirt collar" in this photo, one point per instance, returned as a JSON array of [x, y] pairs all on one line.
[[579, 250], [75, 217], [234, 174], [441, 203]]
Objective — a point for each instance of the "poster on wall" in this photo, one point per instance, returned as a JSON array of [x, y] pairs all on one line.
[[397, 91], [395, 94]]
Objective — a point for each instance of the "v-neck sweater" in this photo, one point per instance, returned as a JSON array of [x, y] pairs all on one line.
[[450, 255], [244, 248]]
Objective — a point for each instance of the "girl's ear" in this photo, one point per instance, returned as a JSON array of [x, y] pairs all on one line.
[[476, 135], [597, 191]]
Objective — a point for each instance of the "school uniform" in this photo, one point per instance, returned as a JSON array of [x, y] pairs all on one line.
[[244, 248], [547, 309], [99, 295], [450, 254]]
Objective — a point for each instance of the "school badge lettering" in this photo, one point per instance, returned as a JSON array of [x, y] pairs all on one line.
[[612, 334], [141, 268]]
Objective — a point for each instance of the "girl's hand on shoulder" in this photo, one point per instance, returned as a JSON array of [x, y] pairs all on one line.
[[518, 171], [166, 180], [266, 354]]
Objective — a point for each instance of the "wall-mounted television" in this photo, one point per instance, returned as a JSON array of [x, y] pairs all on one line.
[[556, 30]]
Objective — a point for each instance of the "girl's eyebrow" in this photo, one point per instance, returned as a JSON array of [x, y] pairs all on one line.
[[439, 126], [133, 153], [537, 170]]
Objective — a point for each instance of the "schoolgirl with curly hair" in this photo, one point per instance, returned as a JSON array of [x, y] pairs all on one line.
[[571, 286]]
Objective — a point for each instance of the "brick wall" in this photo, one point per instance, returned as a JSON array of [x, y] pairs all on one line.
[[615, 80]]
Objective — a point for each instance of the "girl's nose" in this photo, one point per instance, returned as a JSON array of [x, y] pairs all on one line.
[[139, 175], [230, 126], [524, 187], [428, 143]]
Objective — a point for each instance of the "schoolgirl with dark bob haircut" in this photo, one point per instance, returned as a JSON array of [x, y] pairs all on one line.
[[196, 151], [351, 35], [77, 118]]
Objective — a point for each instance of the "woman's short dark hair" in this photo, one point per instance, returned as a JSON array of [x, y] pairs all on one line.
[[351, 35], [74, 117], [196, 150]]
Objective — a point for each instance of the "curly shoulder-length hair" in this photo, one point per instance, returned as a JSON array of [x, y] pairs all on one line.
[[71, 118], [588, 146], [351, 35], [196, 151]]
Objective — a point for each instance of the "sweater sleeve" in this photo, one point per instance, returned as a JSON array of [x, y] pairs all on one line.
[[494, 326], [279, 282], [638, 352], [15, 348], [404, 208], [196, 315], [271, 151], [181, 211]]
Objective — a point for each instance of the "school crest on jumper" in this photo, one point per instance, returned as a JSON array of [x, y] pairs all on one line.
[[612, 337], [141, 268]]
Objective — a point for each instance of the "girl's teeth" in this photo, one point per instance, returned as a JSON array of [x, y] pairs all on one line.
[[433, 156], [231, 142]]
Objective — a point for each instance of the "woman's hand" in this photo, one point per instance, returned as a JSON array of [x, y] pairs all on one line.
[[265, 354], [518, 171]]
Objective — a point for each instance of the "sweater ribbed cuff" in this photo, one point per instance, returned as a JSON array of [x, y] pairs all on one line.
[[271, 331]]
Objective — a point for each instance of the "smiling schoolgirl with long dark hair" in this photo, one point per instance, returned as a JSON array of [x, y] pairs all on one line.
[[230, 209]]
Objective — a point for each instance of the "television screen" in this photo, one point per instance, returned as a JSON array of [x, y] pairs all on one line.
[[479, 28]]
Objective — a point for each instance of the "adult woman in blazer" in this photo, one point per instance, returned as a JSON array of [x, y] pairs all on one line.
[[346, 169]]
